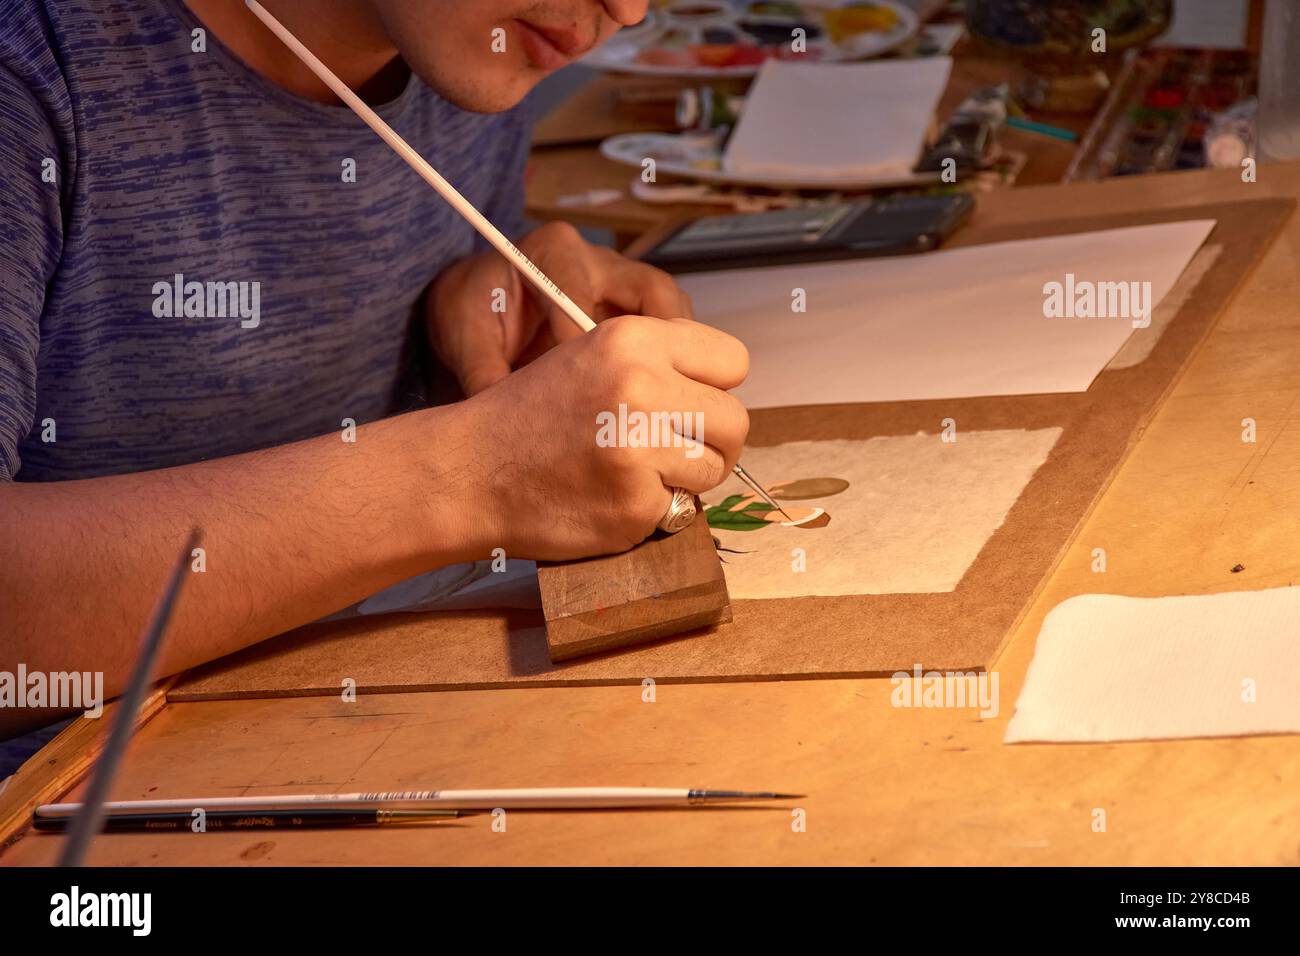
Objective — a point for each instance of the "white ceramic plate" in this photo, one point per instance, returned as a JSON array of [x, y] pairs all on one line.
[[695, 156]]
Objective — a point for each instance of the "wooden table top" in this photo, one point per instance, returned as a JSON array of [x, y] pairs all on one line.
[[883, 785]]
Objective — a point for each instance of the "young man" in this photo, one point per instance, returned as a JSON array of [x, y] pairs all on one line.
[[207, 274]]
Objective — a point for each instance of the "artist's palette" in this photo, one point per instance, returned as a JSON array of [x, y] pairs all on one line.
[[698, 156], [714, 39]]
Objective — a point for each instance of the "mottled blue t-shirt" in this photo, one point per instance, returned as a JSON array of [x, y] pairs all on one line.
[[186, 269]]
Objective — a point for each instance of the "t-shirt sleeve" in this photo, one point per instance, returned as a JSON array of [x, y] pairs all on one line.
[[31, 244]]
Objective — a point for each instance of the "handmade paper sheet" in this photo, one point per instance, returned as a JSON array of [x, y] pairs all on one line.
[[899, 514]]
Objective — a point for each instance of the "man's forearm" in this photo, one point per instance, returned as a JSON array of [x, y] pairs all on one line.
[[290, 534]]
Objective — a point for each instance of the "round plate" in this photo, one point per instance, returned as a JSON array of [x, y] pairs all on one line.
[[619, 53], [695, 156]]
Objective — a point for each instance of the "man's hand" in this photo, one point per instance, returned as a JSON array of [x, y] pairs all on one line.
[[482, 346], [517, 466], [545, 488]]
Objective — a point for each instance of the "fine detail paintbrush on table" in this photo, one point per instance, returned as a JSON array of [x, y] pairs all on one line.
[[528, 798], [526, 267]]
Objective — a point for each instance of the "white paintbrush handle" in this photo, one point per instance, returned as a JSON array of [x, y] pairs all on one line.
[[430, 175], [557, 798]]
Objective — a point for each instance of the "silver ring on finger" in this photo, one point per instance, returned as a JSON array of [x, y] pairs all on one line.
[[681, 512]]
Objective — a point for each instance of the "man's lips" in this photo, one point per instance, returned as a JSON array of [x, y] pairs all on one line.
[[550, 47]]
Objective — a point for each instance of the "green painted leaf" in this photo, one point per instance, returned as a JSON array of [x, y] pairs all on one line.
[[720, 516], [729, 503]]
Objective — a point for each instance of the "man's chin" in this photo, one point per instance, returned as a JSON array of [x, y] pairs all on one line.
[[492, 95]]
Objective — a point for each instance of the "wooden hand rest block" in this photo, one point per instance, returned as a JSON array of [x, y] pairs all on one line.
[[667, 584]]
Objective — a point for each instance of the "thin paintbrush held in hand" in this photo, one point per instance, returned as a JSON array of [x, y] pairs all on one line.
[[682, 510]]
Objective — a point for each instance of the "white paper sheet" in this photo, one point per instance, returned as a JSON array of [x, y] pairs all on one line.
[[1122, 668], [836, 119], [949, 324]]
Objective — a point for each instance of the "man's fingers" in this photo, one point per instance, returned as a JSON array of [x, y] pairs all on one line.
[[634, 288], [703, 356], [708, 355], [697, 469], [682, 417], [721, 419], [482, 353], [576, 286]]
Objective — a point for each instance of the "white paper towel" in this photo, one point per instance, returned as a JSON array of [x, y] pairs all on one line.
[[1123, 668]]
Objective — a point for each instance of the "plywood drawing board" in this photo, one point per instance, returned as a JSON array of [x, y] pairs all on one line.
[[823, 636]]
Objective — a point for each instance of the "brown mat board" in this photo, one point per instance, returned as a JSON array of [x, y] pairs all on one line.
[[813, 637]]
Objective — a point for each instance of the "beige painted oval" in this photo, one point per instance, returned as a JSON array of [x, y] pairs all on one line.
[[802, 489]]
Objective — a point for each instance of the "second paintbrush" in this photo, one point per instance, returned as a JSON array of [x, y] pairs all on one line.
[[179, 820]]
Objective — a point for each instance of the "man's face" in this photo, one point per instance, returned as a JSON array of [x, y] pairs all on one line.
[[485, 55]]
